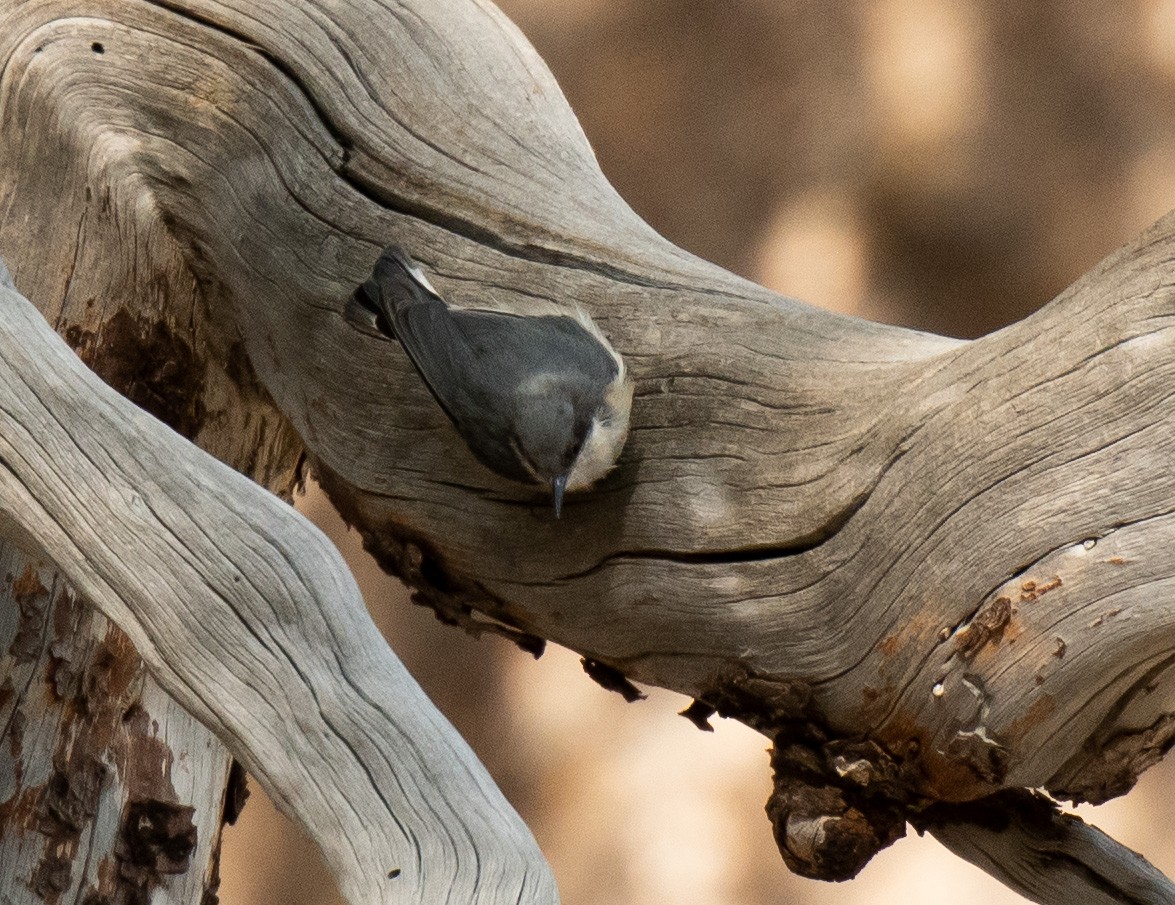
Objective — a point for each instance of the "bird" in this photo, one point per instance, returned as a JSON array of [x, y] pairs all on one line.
[[538, 394]]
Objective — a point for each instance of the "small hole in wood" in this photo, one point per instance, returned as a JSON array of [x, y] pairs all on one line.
[[97, 47]]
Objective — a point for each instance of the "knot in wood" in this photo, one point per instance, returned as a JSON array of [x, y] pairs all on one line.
[[823, 837], [835, 804], [158, 837]]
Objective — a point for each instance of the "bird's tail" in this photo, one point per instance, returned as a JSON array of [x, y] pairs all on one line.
[[397, 281], [396, 284]]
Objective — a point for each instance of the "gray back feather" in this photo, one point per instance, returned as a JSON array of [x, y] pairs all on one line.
[[477, 362]]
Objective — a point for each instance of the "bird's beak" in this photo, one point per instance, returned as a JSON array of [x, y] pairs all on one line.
[[558, 486]]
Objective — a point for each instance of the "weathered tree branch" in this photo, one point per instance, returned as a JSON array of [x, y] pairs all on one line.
[[1047, 856], [109, 790], [247, 615], [929, 569]]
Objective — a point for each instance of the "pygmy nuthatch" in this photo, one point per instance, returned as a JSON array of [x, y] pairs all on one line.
[[538, 395]]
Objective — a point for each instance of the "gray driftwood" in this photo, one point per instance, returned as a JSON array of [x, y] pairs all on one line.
[[929, 569], [1021, 838], [108, 789], [247, 616]]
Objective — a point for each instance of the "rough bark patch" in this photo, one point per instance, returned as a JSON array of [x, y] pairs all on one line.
[[150, 363], [33, 599]]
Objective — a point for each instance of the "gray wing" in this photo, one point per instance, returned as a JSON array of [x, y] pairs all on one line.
[[475, 361]]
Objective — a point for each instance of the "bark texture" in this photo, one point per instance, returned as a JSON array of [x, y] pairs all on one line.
[[928, 569], [247, 616], [110, 792], [115, 284], [1021, 838]]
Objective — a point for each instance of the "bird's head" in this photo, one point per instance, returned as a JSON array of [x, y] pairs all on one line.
[[566, 436]]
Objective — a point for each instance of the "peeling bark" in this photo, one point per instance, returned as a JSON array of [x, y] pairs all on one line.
[[88, 757], [247, 616]]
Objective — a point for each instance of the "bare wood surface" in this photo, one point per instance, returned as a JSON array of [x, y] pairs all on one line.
[[249, 618], [1047, 856], [115, 284], [109, 791], [952, 556]]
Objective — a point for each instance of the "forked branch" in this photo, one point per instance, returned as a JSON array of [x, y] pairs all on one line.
[[248, 616], [930, 570]]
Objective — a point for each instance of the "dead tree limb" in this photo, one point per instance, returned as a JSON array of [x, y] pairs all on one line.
[[109, 790], [249, 618], [1022, 838], [929, 569]]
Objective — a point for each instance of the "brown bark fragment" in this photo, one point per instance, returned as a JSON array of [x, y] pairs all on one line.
[[611, 679], [156, 838], [1031, 590], [236, 793], [764, 703], [68, 803], [86, 681], [821, 836], [1110, 767], [150, 363], [836, 802], [988, 626], [28, 585], [699, 713], [32, 598]]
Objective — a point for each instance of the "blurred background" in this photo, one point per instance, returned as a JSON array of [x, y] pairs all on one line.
[[942, 165]]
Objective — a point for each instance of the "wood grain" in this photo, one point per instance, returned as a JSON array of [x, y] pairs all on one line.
[[954, 555], [247, 615]]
